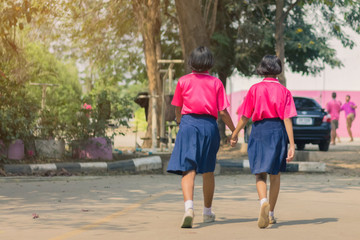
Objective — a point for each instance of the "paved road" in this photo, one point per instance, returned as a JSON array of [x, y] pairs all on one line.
[[311, 206]]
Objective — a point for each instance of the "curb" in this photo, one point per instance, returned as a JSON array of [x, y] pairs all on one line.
[[226, 166], [131, 165], [149, 164]]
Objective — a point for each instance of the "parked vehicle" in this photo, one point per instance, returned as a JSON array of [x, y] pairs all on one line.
[[311, 125]]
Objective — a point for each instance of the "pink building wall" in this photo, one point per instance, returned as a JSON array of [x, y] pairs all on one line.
[[322, 97]]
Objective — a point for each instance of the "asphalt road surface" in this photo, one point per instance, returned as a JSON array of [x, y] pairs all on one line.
[[310, 206]]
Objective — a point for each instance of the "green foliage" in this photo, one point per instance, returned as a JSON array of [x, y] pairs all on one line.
[[242, 37], [140, 120], [15, 16], [248, 27], [62, 100], [104, 40], [108, 109], [18, 112]]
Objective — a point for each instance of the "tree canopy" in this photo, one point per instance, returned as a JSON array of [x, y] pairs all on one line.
[[116, 43]]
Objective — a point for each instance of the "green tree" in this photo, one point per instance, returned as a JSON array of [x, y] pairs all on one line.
[[15, 16], [244, 33], [62, 100], [334, 16]]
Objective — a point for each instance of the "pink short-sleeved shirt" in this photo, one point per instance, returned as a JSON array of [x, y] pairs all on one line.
[[268, 99], [200, 93], [347, 107], [333, 108]]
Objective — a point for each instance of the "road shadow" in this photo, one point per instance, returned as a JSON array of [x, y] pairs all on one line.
[[303, 222], [225, 221]]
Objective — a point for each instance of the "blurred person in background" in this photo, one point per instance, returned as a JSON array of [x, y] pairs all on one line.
[[349, 109], [333, 108]]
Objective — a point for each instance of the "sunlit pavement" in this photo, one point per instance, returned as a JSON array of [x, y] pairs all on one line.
[[314, 206]]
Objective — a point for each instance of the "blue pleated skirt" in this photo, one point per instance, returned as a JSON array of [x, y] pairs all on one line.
[[196, 145], [267, 148]]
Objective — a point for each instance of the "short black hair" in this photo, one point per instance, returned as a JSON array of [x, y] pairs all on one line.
[[269, 65], [333, 95], [201, 59]]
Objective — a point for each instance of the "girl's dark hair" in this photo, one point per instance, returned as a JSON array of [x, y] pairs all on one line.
[[201, 59], [269, 65]]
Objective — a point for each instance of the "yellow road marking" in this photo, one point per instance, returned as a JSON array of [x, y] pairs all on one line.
[[108, 218]]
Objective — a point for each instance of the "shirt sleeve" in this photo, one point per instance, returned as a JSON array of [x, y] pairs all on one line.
[[222, 100], [177, 99], [247, 107], [290, 109]]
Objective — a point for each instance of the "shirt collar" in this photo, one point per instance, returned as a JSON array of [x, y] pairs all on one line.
[[205, 72], [271, 80]]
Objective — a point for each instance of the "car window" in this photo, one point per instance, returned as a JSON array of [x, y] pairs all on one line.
[[306, 103]]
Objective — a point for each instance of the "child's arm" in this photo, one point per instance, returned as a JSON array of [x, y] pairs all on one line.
[[225, 116], [290, 133], [178, 114], [241, 124]]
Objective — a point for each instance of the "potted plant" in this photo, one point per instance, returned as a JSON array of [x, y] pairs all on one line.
[[89, 131], [49, 142]]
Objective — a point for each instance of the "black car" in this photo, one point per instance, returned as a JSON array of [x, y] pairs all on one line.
[[311, 125]]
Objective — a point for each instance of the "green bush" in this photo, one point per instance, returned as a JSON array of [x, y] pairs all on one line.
[[18, 112], [106, 110]]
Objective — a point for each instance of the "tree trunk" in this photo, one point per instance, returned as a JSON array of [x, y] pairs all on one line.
[[196, 27], [279, 37], [148, 16], [193, 31]]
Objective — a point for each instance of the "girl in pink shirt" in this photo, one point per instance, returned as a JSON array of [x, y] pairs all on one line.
[[349, 108], [271, 107], [198, 98]]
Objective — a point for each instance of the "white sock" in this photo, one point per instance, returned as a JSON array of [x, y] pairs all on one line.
[[271, 213], [207, 211], [262, 201], [189, 204]]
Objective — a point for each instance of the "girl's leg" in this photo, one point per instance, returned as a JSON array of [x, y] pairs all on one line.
[[263, 220], [261, 185], [348, 125], [208, 191], [187, 185], [274, 190], [208, 188]]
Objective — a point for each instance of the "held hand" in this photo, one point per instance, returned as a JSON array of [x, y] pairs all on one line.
[[291, 154], [233, 140]]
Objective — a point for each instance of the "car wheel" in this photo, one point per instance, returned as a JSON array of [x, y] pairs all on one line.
[[324, 146], [300, 146]]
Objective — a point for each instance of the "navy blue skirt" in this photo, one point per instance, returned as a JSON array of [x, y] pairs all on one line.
[[196, 145], [268, 144]]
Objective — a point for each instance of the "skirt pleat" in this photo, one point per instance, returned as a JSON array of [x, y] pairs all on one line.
[[267, 148], [196, 145]]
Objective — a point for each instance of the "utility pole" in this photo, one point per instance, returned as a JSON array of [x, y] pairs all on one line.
[[168, 74]]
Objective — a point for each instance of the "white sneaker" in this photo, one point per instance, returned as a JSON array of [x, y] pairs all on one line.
[[263, 220], [188, 219], [209, 218], [272, 220]]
